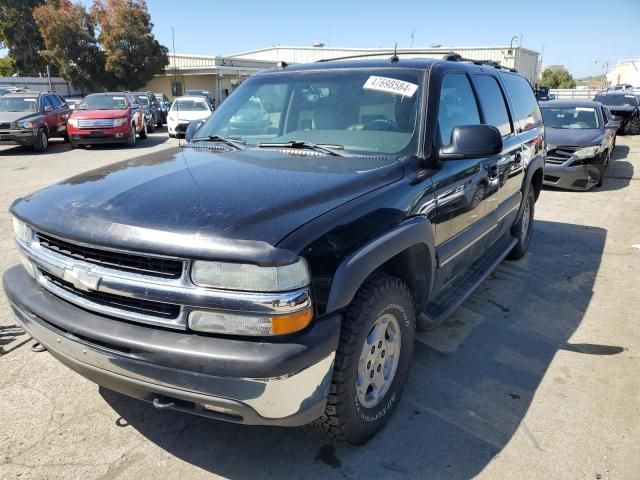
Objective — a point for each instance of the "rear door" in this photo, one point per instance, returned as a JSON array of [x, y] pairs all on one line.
[[50, 113]]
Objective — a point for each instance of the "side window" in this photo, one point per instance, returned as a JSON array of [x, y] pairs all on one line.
[[524, 101], [457, 105], [605, 114], [46, 102], [492, 103], [62, 102]]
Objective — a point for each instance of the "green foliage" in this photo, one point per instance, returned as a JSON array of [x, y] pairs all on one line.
[[69, 37], [557, 79], [7, 67], [133, 55], [19, 34]]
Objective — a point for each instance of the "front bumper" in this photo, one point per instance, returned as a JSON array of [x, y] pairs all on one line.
[[83, 136], [19, 136], [253, 382], [582, 177]]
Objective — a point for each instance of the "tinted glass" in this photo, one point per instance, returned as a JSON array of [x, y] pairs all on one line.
[[524, 101], [55, 101], [46, 102], [143, 99], [617, 100], [102, 101], [457, 105], [359, 110], [570, 117], [493, 103]]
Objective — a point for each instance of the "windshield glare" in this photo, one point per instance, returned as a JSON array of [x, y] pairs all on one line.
[[103, 102], [143, 99], [368, 111], [189, 105], [18, 104], [617, 100], [570, 117]]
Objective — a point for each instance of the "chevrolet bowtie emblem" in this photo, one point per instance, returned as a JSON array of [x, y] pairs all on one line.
[[82, 278]]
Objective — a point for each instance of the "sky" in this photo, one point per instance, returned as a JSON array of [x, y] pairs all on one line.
[[582, 35]]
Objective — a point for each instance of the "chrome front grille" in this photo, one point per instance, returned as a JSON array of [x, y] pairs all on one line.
[[560, 155], [97, 123], [154, 266]]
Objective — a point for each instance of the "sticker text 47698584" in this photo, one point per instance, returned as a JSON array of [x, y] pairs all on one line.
[[390, 85]]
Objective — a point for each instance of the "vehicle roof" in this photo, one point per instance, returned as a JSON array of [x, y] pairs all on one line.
[[569, 103], [23, 94], [191, 98], [108, 93], [618, 93]]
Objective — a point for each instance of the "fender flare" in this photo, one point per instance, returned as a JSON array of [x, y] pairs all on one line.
[[355, 269], [536, 163]]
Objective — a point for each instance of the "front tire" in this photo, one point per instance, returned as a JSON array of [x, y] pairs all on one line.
[[522, 230], [633, 126], [42, 141], [372, 361], [143, 132], [131, 141]]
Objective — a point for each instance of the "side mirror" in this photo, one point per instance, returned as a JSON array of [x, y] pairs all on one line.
[[472, 141], [614, 124], [47, 109], [192, 128]]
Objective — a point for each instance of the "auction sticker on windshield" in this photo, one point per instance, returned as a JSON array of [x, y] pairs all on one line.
[[390, 85]]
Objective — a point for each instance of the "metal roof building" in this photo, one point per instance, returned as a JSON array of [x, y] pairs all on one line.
[[523, 60]]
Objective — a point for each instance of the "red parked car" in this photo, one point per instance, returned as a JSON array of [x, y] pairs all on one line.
[[106, 118]]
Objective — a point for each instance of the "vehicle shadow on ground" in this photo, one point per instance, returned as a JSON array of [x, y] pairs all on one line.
[[471, 384], [58, 145], [620, 171]]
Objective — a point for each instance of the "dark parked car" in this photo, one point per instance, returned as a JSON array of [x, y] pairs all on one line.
[[625, 106], [202, 93], [278, 277], [32, 118], [580, 136], [152, 109], [165, 104]]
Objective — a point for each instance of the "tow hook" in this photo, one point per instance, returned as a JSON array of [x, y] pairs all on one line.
[[163, 404]]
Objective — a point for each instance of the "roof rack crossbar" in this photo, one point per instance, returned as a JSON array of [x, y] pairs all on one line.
[[454, 57]]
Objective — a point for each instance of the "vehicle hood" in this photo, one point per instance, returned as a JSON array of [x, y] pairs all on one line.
[[578, 137], [8, 117], [201, 203], [189, 115], [91, 114]]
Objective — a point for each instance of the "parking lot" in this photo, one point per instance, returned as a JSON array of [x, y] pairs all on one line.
[[536, 376]]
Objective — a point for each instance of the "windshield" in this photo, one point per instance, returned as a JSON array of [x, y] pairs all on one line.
[[18, 104], [373, 111], [103, 102], [189, 105], [143, 99], [570, 117], [617, 100]]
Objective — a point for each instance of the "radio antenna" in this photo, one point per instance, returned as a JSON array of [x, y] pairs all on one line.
[[394, 58]]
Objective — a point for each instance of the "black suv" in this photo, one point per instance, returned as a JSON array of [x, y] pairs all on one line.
[[277, 276], [32, 118], [152, 109], [624, 105]]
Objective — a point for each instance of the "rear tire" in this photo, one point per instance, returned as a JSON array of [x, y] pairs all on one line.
[[151, 127], [367, 382], [522, 230]]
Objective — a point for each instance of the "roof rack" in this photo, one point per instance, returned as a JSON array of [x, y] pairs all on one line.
[[450, 57], [455, 57]]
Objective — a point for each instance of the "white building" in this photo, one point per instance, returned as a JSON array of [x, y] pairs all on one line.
[[523, 60], [625, 71], [220, 75]]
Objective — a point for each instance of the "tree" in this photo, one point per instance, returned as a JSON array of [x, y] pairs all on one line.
[[70, 44], [7, 67], [19, 34], [132, 54], [560, 78]]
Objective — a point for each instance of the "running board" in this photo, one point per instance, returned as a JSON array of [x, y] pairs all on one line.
[[438, 310]]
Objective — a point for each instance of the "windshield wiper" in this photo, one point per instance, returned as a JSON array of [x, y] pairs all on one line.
[[236, 143], [318, 147]]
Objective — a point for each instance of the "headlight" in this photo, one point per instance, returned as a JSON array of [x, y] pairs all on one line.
[[26, 125], [22, 230], [587, 152], [119, 121], [73, 122], [250, 278], [240, 324]]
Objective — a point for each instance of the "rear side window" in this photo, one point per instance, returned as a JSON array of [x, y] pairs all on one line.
[[524, 101], [457, 105], [492, 103], [46, 102]]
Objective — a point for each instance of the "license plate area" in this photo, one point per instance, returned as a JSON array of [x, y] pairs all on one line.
[[96, 133]]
